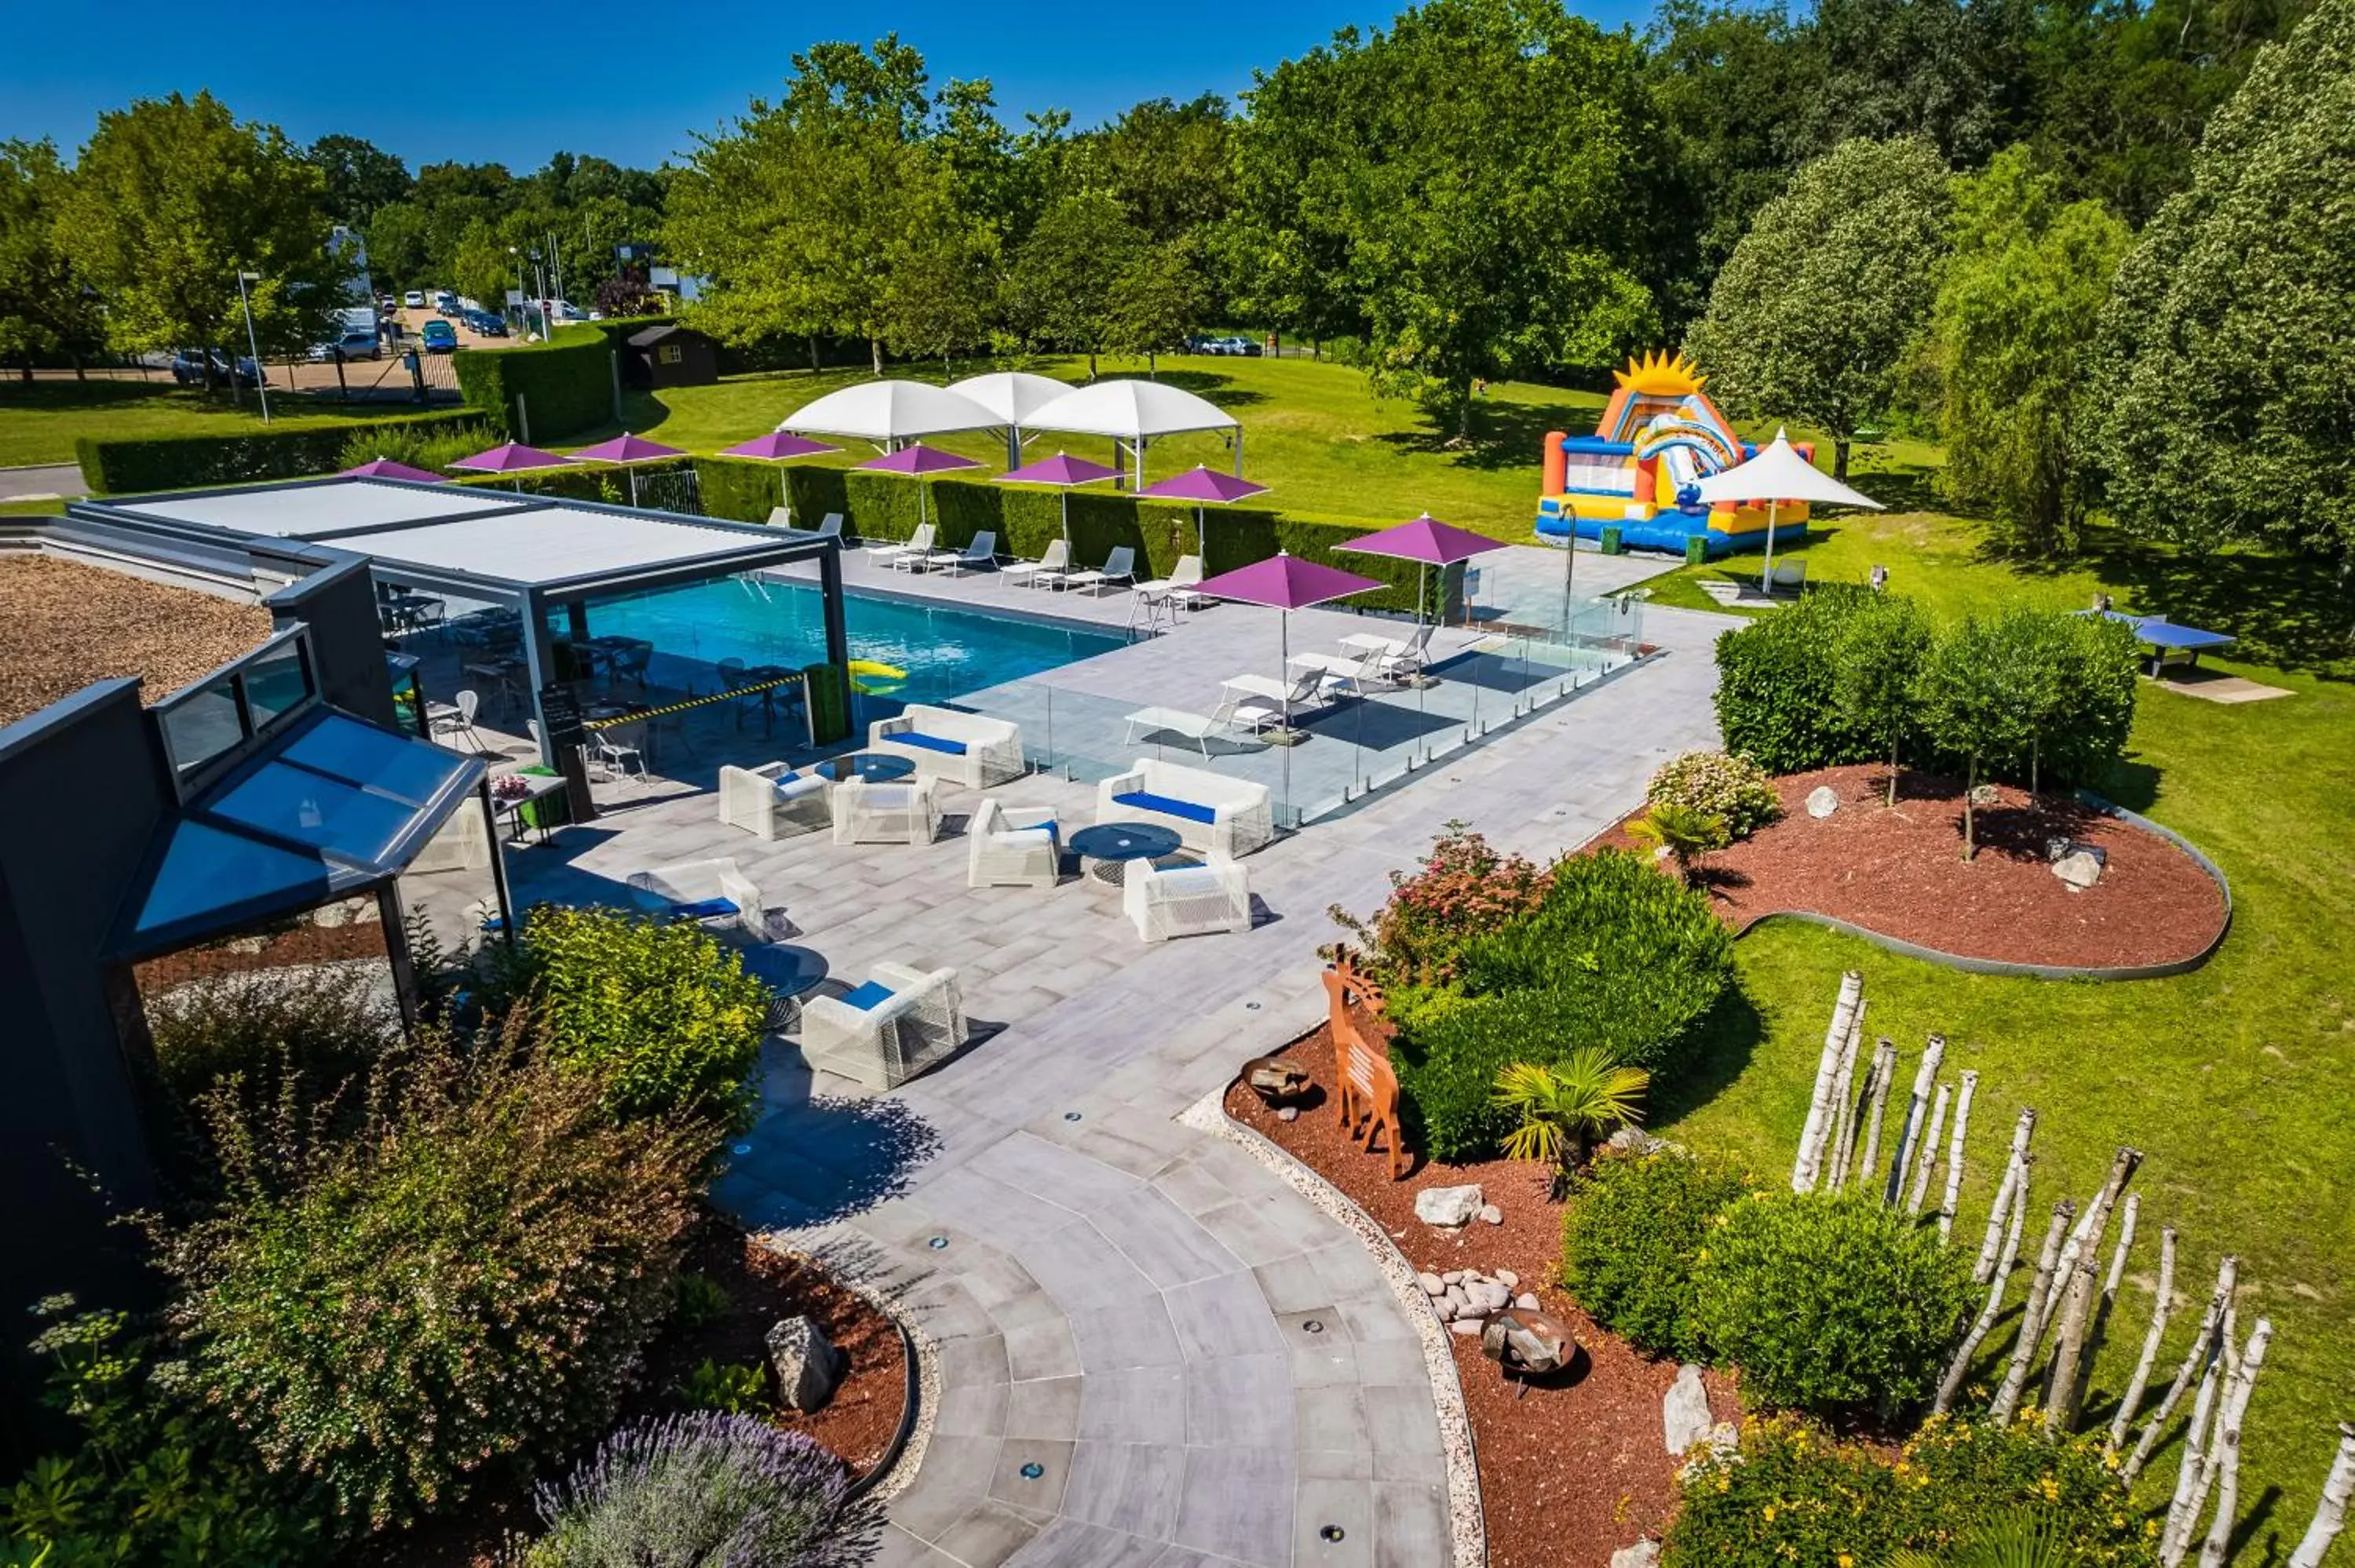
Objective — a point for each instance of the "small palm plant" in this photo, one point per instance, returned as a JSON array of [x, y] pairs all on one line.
[[1686, 832], [1564, 1106], [2019, 1543]]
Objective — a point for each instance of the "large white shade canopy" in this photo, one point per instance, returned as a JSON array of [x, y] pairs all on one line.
[[1780, 473], [1129, 410], [1013, 395], [889, 412]]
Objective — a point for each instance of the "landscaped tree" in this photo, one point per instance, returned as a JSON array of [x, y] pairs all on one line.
[[360, 177], [2223, 368], [1875, 663], [2009, 340], [1813, 312], [1064, 286], [45, 306], [1161, 296], [1973, 706], [171, 199]]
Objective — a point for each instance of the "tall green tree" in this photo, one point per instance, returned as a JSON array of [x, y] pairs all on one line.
[[1161, 296], [2009, 341], [46, 307], [171, 199], [360, 177], [1064, 287], [1813, 313], [1974, 704], [400, 246], [2225, 363]]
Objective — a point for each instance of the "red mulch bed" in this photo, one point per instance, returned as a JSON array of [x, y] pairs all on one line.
[[1900, 871], [762, 1287], [291, 947], [1572, 1471]]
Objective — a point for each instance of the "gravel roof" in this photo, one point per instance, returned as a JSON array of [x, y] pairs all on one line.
[[64, 624]]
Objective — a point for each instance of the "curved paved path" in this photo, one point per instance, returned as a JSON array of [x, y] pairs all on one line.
[[1119, 1301]]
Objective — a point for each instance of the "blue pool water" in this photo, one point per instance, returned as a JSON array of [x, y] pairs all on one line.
[[946, 651]]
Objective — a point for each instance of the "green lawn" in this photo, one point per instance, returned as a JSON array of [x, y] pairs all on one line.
[[1311, 429], [40, 422]]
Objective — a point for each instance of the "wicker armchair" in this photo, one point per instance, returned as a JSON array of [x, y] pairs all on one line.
[[711, 891], [1004, 854], [894, 813], [773, 802], [1187, 900], [965, 748], [901, 1022]]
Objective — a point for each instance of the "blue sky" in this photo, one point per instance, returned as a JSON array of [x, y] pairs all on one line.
[[510, 94]]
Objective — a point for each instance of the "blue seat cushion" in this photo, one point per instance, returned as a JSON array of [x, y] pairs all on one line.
[[930, 742], [1144, 800], [867, 996], [704, 909]]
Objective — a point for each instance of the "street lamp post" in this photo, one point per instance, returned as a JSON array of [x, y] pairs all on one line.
[[252, 344]]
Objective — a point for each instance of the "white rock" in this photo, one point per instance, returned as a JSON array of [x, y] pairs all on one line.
[[1449, 1206], [1507, 1276], [1452, 1277], [1684, 1413], [2078, 870], [1527, 1301], [1822, 802], [1725, 1437], [1289, 1113], [1642, 1554], [1491, 1297], [1467, 1327], [809, 1367], [1458, 1299], [1431, 1284], [1493, 1214]]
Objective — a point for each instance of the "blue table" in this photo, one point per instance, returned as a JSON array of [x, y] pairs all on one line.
[[790, 972], [2165, 637], [875, 767], [1107, 848]]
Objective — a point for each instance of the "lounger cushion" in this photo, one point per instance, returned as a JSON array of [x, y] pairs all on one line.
[[704, 909], [1025, 838], [867, 997], [929, 742], [1144, 801]]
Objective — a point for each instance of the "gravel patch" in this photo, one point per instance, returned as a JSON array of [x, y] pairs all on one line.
[[64, 625]]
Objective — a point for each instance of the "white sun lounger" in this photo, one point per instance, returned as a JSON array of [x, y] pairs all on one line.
[[919, 543], [1253, 701], [1392, 657], [1048, 567], [1119, 566], [1195, 727]]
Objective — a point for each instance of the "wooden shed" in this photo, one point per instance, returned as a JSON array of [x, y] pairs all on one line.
[[673, 356]]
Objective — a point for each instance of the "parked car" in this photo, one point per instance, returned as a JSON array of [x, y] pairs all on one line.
[[438, 336], [353, 345], [414, 299], [566, 310], [446, 303], [188, 368], [485, 324], [1236, 347]]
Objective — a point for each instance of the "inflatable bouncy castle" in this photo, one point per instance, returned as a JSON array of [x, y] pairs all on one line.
[[1660, 436]]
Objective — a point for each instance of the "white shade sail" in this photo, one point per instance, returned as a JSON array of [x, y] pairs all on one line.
[[889, 411], [1129, 410], [1012, 394], [1780, 473]]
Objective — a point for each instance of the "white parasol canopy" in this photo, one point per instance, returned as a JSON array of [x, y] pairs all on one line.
[[1013, 395], [889, 412], [1775, 476], [1133, 412]]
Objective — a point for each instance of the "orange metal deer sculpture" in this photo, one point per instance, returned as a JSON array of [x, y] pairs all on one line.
[[1368, 1090]]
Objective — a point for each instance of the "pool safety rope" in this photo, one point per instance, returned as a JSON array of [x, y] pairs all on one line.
[[729, 696]]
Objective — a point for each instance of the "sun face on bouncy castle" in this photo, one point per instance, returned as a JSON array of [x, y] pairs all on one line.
[[1658, 375]]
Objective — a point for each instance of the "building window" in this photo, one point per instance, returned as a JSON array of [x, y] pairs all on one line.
[[672, 354]]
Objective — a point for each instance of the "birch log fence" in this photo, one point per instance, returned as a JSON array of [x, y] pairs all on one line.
[[2071, 1296]]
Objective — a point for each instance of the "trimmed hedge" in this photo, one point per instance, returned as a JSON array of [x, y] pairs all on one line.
[[1777, 686], [124, 467], [566, 383], [1634, 1226]]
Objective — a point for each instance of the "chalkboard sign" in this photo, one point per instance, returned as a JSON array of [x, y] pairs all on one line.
[[560, 710]]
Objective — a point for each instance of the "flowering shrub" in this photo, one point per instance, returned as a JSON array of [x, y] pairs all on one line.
[[1462, 888], [1634, 1226], [1735, 789], [705, 1491], [1792, 1495], [1828, 1304]]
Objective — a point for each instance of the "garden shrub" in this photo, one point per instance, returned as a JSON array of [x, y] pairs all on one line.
[[663, 1014], [130, 466], [1792, 1495], [291, 1037], [702, 1301], [1732, 788], [697, 1491], [469, 1276], [739, 1389], [1462, 888], [1830, 1304], [427, 446], [1635, 1224], [1777, 686], [1615, 957]]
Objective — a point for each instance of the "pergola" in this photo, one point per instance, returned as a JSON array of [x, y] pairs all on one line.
[[534, 557], [1133, 413]]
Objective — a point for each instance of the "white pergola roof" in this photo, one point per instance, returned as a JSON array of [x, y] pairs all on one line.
[[888, 411], [549, 545], [1012, 394], [318, 511], [1131, 411]]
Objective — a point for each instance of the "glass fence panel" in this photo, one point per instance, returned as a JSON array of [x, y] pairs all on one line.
[[203, 723], [276, 682]]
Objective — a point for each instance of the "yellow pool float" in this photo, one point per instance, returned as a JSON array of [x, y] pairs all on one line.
[[875, 679]]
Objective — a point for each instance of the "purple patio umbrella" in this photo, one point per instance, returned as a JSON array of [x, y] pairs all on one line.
[[514, 458], [628, 450], [385, 468], [1063, 472], [1202, 486], [919, 462], [778, 447], [1427, 542], [1285, 582]]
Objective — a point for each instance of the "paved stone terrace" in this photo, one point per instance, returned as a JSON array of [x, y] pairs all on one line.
[[1119, 1301]]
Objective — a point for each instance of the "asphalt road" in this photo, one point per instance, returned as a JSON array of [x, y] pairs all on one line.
[[56, 481]]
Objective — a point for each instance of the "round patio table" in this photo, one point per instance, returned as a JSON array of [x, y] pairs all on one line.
[[790, 972], [1108, 847], [875, 767]]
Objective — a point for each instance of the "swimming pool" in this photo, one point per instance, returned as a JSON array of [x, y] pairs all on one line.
[[947, 650]]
